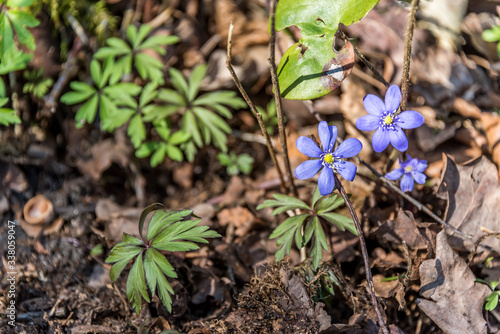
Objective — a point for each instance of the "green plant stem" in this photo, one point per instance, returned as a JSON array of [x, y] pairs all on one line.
[[277, 97], [405, 79], [254, 110], [364, 251]]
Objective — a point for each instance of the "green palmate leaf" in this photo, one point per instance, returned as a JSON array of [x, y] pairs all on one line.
[[159, 155], [171, 96], [149, 67], [319, 243], [329, 203], [312, 68], [492, 35], [174, 152], [8, 116], [136, 130], [289, 223], [12, 59], [195, 80], [492, 301], [87, 111], [178, 81], [162, 219], [136, 285], [145, 213], [342, 222], [179, 137]]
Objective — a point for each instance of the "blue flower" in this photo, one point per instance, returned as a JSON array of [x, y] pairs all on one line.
[[332, 161], [411, 169], [389, 127]]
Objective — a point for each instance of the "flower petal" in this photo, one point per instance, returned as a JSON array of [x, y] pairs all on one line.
[[392, 98], [421, 166], [326, 182], [348, 148], [368, 123], [308, 169], [407, 183], [327, 135], [374, 105], [380, 140], [324, 135], [308, 147], [418, 177], [395, 174], [347, 169], [398, 139], [409, 119]]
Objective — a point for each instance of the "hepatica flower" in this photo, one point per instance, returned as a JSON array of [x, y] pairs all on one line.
[[388, 125], [411, 169], [331, 161]]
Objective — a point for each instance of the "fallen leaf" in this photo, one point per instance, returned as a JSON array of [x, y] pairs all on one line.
[[454, 301], [491, 124], [473, 196], [403, 228], [240, 217], [118, 219], [103, 155]]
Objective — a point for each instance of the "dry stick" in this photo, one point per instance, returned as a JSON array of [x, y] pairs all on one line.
[[365, 61], [254, 110], [277, 97], [405, 79], [364, 251]]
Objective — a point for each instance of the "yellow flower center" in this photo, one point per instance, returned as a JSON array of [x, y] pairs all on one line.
[[388, 120], [408, 169], [328, 158]]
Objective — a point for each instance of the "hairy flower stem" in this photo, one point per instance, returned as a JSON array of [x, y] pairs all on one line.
[[405, 79], [364, 251], [277, 97], [254, 110]]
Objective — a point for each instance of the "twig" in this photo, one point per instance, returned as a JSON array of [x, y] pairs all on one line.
[[478, 241], [277, 97], [254, 110], [406, 280], [405, 79], [364, 251], [365, 61], [70, 69]]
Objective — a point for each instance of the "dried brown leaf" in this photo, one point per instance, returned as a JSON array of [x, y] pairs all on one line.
[[473, 196], [454, 301]]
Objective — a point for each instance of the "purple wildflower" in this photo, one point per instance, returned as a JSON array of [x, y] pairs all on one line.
[[332, 161], [389, 127], [411, 169]]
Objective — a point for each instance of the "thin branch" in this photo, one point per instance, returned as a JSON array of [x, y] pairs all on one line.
[[364, 251], [405, 79], [254, 110], [365, 61], [277, 97]]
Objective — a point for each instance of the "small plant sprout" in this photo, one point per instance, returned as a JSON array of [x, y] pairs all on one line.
[[200, 114], [102, 97], [492, 35], [167, 231], [492, 299], [236, 164], [384, 118], [303, 227], [7, 116], [125, 54], [412, 170], [331, 161], [269, 116], [168, 146], [36, 84]]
